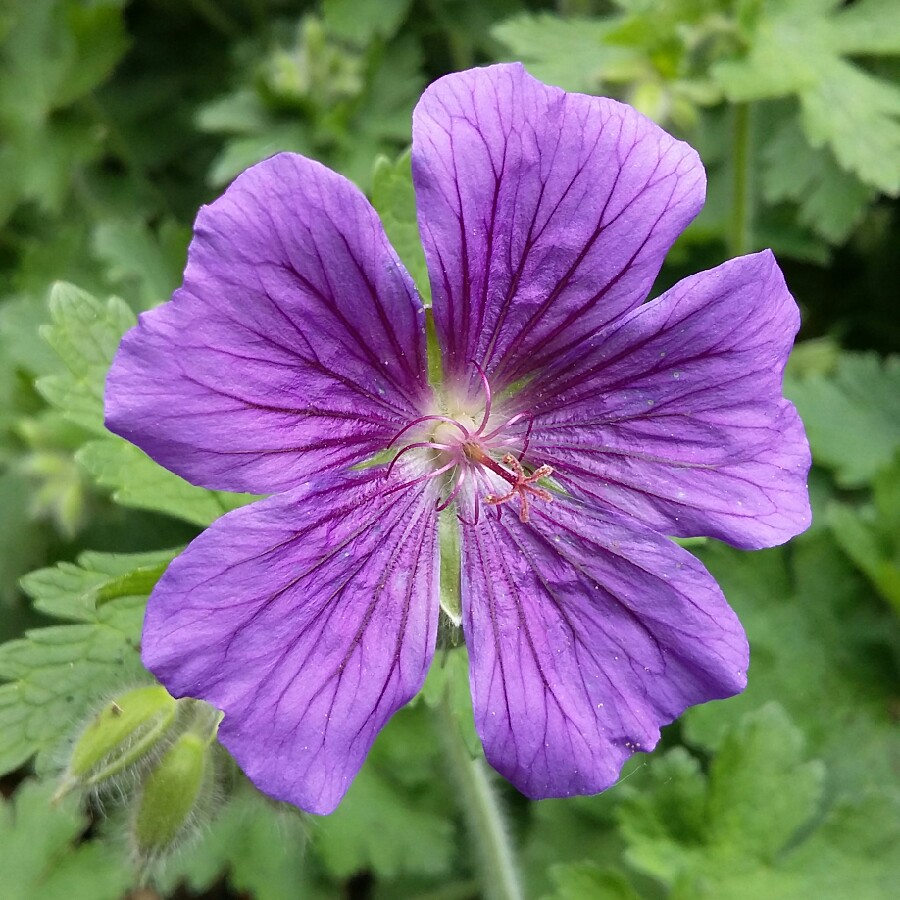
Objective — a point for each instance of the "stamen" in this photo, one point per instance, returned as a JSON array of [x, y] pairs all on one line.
[[477, 514], [431, 445], [419, 479], [516, 418], [487, 399], [460, 479], [447, 419], [472, 456]]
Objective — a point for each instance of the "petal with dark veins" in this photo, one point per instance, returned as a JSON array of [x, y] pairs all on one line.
[[675, 414], [296, 344], [586, 633], [309, 618], [544, 215]]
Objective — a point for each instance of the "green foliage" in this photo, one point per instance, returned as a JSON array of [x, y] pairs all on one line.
[[448, 682], [587, 881], [679, 61], [575, 53], [42, 857], [800, 49], [114, 128], [852, 415], [145, 262], [312, 93], [58, 674], [362, 23], [750, 827], [395, 201], [85, 334], [376, 827], [830, 200], [53, 54], [259, 845], [811, 626], [870, 533]]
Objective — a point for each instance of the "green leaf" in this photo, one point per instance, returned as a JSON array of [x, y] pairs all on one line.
[[760, 791], [145, 263], [572, 53], [822, 645], [797, 48], [853, 853], [85, 333], [261, 845], [138, 482], [56, 52], [72, 590], [99, 41], [831, 200], [587, 881], [852, 415], [362, 22], [42, 856], [868, 28], [663, 820], [379, 826], [22, 542], [395, 819], [395, 201], [858, 117], [571, 830], [751, 827], [870, 534], [243, 152], [58, 674]]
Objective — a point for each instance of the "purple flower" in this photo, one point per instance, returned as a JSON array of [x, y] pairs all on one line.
[[574, 427]]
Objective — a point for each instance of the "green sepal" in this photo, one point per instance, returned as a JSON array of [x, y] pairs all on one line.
[[139, 582], [119, 737], [172, 794], [448, 528]]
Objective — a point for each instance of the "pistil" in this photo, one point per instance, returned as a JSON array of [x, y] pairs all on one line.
[[462, 445], [522, 485]]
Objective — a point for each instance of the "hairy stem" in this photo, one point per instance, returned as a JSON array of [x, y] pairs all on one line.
[[740, 232], [484, 817]]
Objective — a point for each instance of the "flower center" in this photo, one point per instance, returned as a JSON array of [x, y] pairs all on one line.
[[478, 462]]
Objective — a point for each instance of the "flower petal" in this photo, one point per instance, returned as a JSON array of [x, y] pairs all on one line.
[[296, 344], [309, 618], [675, 414], [586, 632], [544, 215]]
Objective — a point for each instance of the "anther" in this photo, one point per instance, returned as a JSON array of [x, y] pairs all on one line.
[[522, 486]]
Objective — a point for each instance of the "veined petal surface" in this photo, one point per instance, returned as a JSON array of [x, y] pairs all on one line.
[[586, 633], [544, 215], [295, 346], [675, 414], [309, 618]]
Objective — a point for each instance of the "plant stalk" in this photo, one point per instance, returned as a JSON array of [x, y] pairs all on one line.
[[740, 236], [482, 809]]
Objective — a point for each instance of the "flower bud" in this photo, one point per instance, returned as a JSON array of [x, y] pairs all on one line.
[[120, 739], [174, 796]]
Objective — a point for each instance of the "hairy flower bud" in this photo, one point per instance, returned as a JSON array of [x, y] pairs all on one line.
[[174, 797], [120, 739]]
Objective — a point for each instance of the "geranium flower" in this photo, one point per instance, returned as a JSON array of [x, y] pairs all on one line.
[[575, 426]]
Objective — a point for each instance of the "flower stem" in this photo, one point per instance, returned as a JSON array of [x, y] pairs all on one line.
[[480, 804], [740, 236]]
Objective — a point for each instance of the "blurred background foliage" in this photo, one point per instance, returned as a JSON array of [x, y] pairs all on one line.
[[118, 118]]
